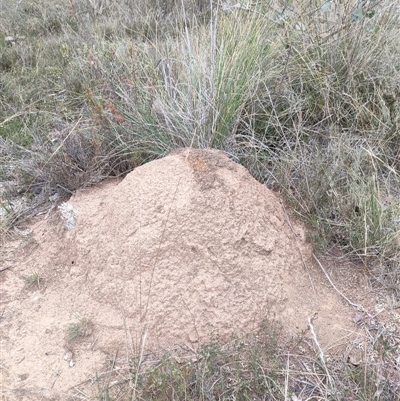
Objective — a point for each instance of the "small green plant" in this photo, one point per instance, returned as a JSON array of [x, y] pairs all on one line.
[[32, 281], [82, 328]]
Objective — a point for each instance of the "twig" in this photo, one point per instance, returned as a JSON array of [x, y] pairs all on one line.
[[321, 353], [359, 307]]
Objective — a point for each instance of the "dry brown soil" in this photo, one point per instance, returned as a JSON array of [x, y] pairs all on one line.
[[183, 248]]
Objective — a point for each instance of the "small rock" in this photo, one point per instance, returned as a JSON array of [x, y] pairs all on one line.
[[68, 355]]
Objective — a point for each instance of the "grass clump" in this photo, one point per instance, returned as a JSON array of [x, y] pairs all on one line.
[[323, 131], [80, 329], [32, 281]]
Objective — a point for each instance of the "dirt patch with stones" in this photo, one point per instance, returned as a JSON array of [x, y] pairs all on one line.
[[183, 248]]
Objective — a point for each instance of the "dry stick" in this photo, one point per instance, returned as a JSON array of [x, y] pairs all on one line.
[[321, 353], [357, 306]]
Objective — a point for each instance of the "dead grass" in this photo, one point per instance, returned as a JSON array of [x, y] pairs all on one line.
[[264, 365], [304, 95]]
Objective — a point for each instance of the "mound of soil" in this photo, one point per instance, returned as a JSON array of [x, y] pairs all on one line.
[[184, 248]]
